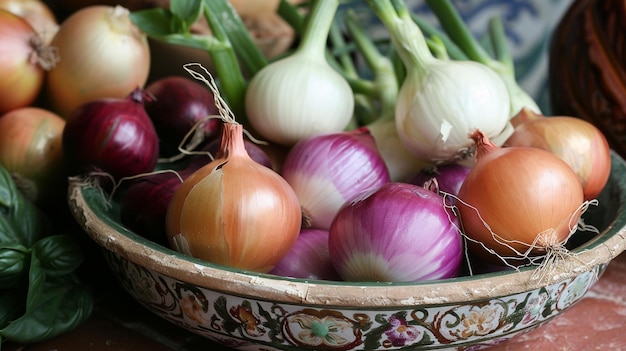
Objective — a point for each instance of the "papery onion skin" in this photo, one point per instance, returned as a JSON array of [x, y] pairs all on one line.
[[102, 55], [255, 152], [519, 192], [398, 232], [22, 75], [308, 258], [576, 141], [37, 13], [112, 135], [328, 169], [234, 211], [31, 149], [178, 104]]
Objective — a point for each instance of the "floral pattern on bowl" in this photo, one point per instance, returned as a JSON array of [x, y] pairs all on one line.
[[242, 322], [253, 311]]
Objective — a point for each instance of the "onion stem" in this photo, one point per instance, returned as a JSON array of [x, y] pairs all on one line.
[[410, 42], [385, 81], [317, 28], [290, 14], [365, 109]]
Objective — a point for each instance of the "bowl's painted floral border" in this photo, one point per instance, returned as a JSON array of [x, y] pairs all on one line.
[[245, 323]]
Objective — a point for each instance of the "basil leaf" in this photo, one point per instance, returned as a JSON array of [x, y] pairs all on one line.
[[11, 305], [60, 309], [21, 222], [58, 254], [13, 266]]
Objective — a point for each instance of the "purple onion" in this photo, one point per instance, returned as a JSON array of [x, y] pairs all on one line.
[[449, 177], [111, 135], [144, 203], [178, 104], [399, 232], [308, 258], [326, 170]]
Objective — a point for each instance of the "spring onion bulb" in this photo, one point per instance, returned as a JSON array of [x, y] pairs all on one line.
[[301, 95], [441, 101]]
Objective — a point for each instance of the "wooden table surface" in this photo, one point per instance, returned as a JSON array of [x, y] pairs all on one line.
[[120, 324]]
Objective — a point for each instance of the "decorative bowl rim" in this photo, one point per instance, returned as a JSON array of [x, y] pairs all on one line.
[[112, 236]]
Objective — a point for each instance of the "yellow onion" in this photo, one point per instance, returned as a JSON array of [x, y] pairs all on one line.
[[234, 211], [576, 141], [23, 61], [102, 55], [518, 202], [37, 14], [31, 150]]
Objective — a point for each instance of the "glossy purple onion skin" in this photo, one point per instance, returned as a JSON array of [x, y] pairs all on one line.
[[326, 170], [111, 135], [400, 233], [449, 177], [308, 258], [144, 202], [178, 104]]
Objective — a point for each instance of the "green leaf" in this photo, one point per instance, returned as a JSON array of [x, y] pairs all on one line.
[[11, 305], [58, 254], [21, 222], [36, 280], [188, 11], [13, 266], [59, 310], [153, 22]]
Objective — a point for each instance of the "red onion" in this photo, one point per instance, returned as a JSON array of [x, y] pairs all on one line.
[[178, 104], [398, 232], [143, 205], [326, 170], [308, 258], [111, 135], [449, 177]]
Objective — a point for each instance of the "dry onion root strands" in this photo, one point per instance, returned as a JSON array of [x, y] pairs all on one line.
[[518, 204], [233, 211]]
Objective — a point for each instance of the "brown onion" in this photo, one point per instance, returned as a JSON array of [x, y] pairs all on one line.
[[234, 211], [587, 67], [576, 141], [23, 60], [37, 14], [518, 201], [102, 55], [31, 150]]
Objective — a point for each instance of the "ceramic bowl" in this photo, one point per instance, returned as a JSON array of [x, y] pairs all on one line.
[[253, 311]]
